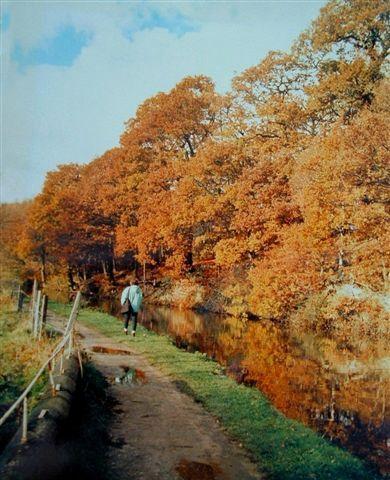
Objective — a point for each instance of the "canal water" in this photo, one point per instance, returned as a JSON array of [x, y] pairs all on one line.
[[340, 391]]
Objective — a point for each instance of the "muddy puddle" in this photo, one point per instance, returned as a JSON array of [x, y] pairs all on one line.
[[131, 376], [190, 470], [110, 351]]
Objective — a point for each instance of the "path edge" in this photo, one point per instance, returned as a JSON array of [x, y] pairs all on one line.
[[45, 422]]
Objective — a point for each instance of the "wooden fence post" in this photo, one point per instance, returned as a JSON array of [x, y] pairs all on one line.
[[43, 314], [44, 309], [70, 344], [51, 378], [19, 299], [32, 303], [25, 420], [36, 314]]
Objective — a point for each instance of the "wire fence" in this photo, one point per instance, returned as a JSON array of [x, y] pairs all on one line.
[[62, 350]]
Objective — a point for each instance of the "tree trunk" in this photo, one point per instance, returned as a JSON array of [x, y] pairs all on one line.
[[110, 271], [70, 278], [190, 147], [104, 268], [43, 269], [189, 260], [43, 276]]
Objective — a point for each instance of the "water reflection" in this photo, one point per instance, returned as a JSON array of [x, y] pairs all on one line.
[[341, 393], [348, 405]]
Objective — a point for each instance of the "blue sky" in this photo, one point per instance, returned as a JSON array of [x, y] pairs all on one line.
[[61, 49], [73, 72]]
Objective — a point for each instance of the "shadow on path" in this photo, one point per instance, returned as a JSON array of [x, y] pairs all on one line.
[[85, 441]]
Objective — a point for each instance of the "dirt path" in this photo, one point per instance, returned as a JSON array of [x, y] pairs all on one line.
[[160, 433]]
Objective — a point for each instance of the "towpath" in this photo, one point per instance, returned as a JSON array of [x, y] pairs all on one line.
[[158, 432]]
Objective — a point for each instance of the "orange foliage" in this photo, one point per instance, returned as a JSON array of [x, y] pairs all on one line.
[[283, 177]]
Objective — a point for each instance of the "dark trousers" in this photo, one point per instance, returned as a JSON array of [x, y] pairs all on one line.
[[134, 317]]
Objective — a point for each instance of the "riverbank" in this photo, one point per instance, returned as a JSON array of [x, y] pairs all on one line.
[[284, 448], [346, 313], [214, 295]]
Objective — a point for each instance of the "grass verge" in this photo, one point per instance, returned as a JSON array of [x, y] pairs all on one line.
[[285, 449]]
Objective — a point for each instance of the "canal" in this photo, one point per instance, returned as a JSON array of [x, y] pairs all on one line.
[[337, 390]]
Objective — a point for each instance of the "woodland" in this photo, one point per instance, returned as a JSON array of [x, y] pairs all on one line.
[[274, 194]]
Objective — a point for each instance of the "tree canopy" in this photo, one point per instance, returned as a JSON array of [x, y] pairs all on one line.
[[284, 176]]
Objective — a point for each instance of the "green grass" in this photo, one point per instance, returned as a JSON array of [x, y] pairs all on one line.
[[285, 449]]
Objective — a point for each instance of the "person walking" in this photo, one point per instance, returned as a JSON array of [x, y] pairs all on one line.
[[131, 301]]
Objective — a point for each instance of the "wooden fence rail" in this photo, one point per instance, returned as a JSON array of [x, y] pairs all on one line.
[[64, 347]]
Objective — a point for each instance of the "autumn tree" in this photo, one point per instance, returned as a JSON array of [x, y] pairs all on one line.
[[55, 228], [13, 218], [104, 197], [166, 132], [174, 123], [268, 102], [339, 186], [345, 53], [281, 182]]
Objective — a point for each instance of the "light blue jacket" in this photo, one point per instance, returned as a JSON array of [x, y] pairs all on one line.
[[134, 294]]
